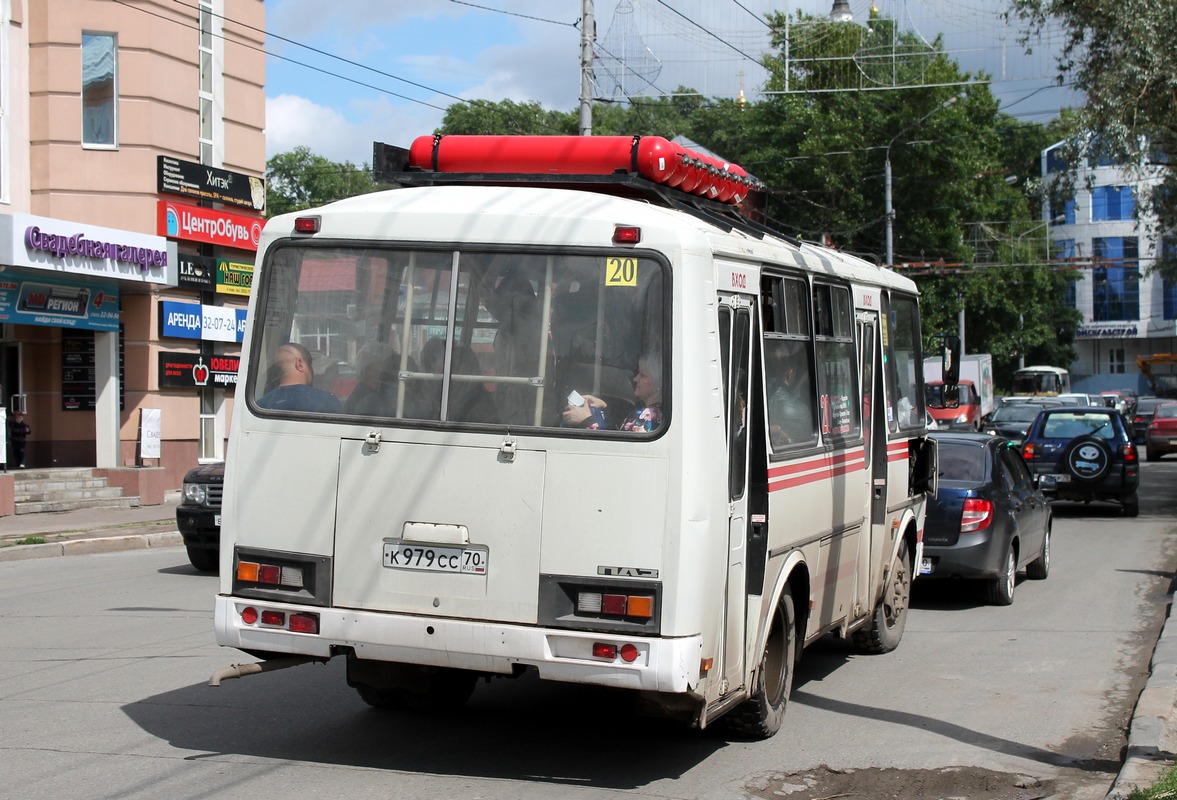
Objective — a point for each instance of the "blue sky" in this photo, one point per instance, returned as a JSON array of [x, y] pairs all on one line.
[[386, 70]]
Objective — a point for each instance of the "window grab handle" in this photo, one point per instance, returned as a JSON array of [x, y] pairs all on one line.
[[373, 441]]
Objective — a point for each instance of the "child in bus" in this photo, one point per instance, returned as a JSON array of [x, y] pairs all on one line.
[[647, 388]]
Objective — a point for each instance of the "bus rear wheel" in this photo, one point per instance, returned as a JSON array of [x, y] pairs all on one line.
[[885, 629], [410, 687], [760, 716]]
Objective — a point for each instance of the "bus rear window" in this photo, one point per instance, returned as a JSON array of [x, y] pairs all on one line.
[[502, 338]]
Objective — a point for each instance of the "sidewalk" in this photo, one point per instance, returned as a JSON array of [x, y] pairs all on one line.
[[90, 530], [1152, 737]]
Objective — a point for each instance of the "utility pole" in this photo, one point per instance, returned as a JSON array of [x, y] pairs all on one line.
[[588, 33]]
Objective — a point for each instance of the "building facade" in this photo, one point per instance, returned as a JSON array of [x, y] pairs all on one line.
[[132, 151], [1128, 308]]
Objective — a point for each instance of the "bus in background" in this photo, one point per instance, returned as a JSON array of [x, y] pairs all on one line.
[[1041, 381], [602, 429]]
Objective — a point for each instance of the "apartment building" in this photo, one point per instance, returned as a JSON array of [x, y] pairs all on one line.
[[132, 151]]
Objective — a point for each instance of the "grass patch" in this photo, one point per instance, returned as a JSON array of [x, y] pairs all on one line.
[[1163, 789], [31, 540]]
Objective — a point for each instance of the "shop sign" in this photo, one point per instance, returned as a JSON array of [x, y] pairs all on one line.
[[196, 321], [196, 272], [58, 303], [187, 178], [207, 225], [192, 370], [1108, 330], [44, 243], [234, 277]]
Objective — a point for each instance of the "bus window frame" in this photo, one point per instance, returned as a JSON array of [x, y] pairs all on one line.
[[458, 250]]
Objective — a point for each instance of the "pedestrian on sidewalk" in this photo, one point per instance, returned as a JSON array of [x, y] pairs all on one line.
[[18, 434]]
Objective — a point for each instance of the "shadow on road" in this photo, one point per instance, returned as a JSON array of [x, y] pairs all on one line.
[[522, 729]]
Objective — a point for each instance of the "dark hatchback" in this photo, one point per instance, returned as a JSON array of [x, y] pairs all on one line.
[[1084, 453], [1011, 420], [199, 515], [987, 520]]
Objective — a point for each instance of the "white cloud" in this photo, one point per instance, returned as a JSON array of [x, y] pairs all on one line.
[[292, 121]]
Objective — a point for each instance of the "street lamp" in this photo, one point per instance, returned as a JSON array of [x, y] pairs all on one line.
[[1060, 219], [890, 212]]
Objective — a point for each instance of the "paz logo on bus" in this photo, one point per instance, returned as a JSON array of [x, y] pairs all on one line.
[[628, 572]]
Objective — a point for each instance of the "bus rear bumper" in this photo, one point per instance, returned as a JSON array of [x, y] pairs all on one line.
[[658, 664]]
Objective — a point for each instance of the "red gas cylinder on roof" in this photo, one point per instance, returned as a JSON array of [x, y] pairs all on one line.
[[653, 157]]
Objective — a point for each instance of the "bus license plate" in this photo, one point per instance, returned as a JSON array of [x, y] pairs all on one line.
[[435, 558]]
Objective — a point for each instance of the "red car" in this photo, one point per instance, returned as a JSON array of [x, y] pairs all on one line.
[[1161, 436]]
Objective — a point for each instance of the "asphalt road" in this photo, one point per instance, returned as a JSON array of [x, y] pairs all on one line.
[[104, 661]]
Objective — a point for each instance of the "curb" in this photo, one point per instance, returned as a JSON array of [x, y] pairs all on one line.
[[77, 547], [1152, 739]]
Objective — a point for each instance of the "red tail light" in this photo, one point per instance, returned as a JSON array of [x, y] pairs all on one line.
[[1028, 451], [977, 515], [1129, 452]]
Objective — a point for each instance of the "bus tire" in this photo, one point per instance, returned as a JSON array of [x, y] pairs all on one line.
[[885, 629], [760, 716], [388, 699], [446, 690], [410, 687]]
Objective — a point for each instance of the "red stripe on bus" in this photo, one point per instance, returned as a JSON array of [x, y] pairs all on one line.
[[816, 469]]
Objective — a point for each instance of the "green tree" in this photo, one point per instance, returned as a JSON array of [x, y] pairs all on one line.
[[300, 179], [506, 117], [1120, 54]]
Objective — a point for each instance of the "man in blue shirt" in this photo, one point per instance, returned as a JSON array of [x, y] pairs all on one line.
[[294, 391]]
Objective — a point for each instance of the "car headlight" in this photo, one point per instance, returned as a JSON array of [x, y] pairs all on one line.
[[990, 431], [195, 493], [962, 418]]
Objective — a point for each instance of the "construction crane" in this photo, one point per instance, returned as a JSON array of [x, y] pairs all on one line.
[[1163, 384]]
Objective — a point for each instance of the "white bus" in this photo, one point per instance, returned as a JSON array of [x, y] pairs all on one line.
[[551, 427], [1041, 381]]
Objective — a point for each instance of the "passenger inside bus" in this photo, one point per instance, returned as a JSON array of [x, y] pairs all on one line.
[[291, 376], [468, 399], [789, 392], [647, 387], [508, 294]]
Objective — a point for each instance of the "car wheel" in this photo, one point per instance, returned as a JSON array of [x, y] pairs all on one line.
[[204, 559], [1001, 588], [1039, 568], [760, 716], [1131, 507], [1088, 459]]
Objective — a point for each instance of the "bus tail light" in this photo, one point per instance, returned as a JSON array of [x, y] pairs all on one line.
[[269, 574], [307, 224], [977, 514], [610, 652], [627, 234], [296, 623], [304, 623], [615, 605]]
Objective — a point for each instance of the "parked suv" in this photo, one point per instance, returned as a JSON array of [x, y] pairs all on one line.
[[199, 515], [1084, 453]]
